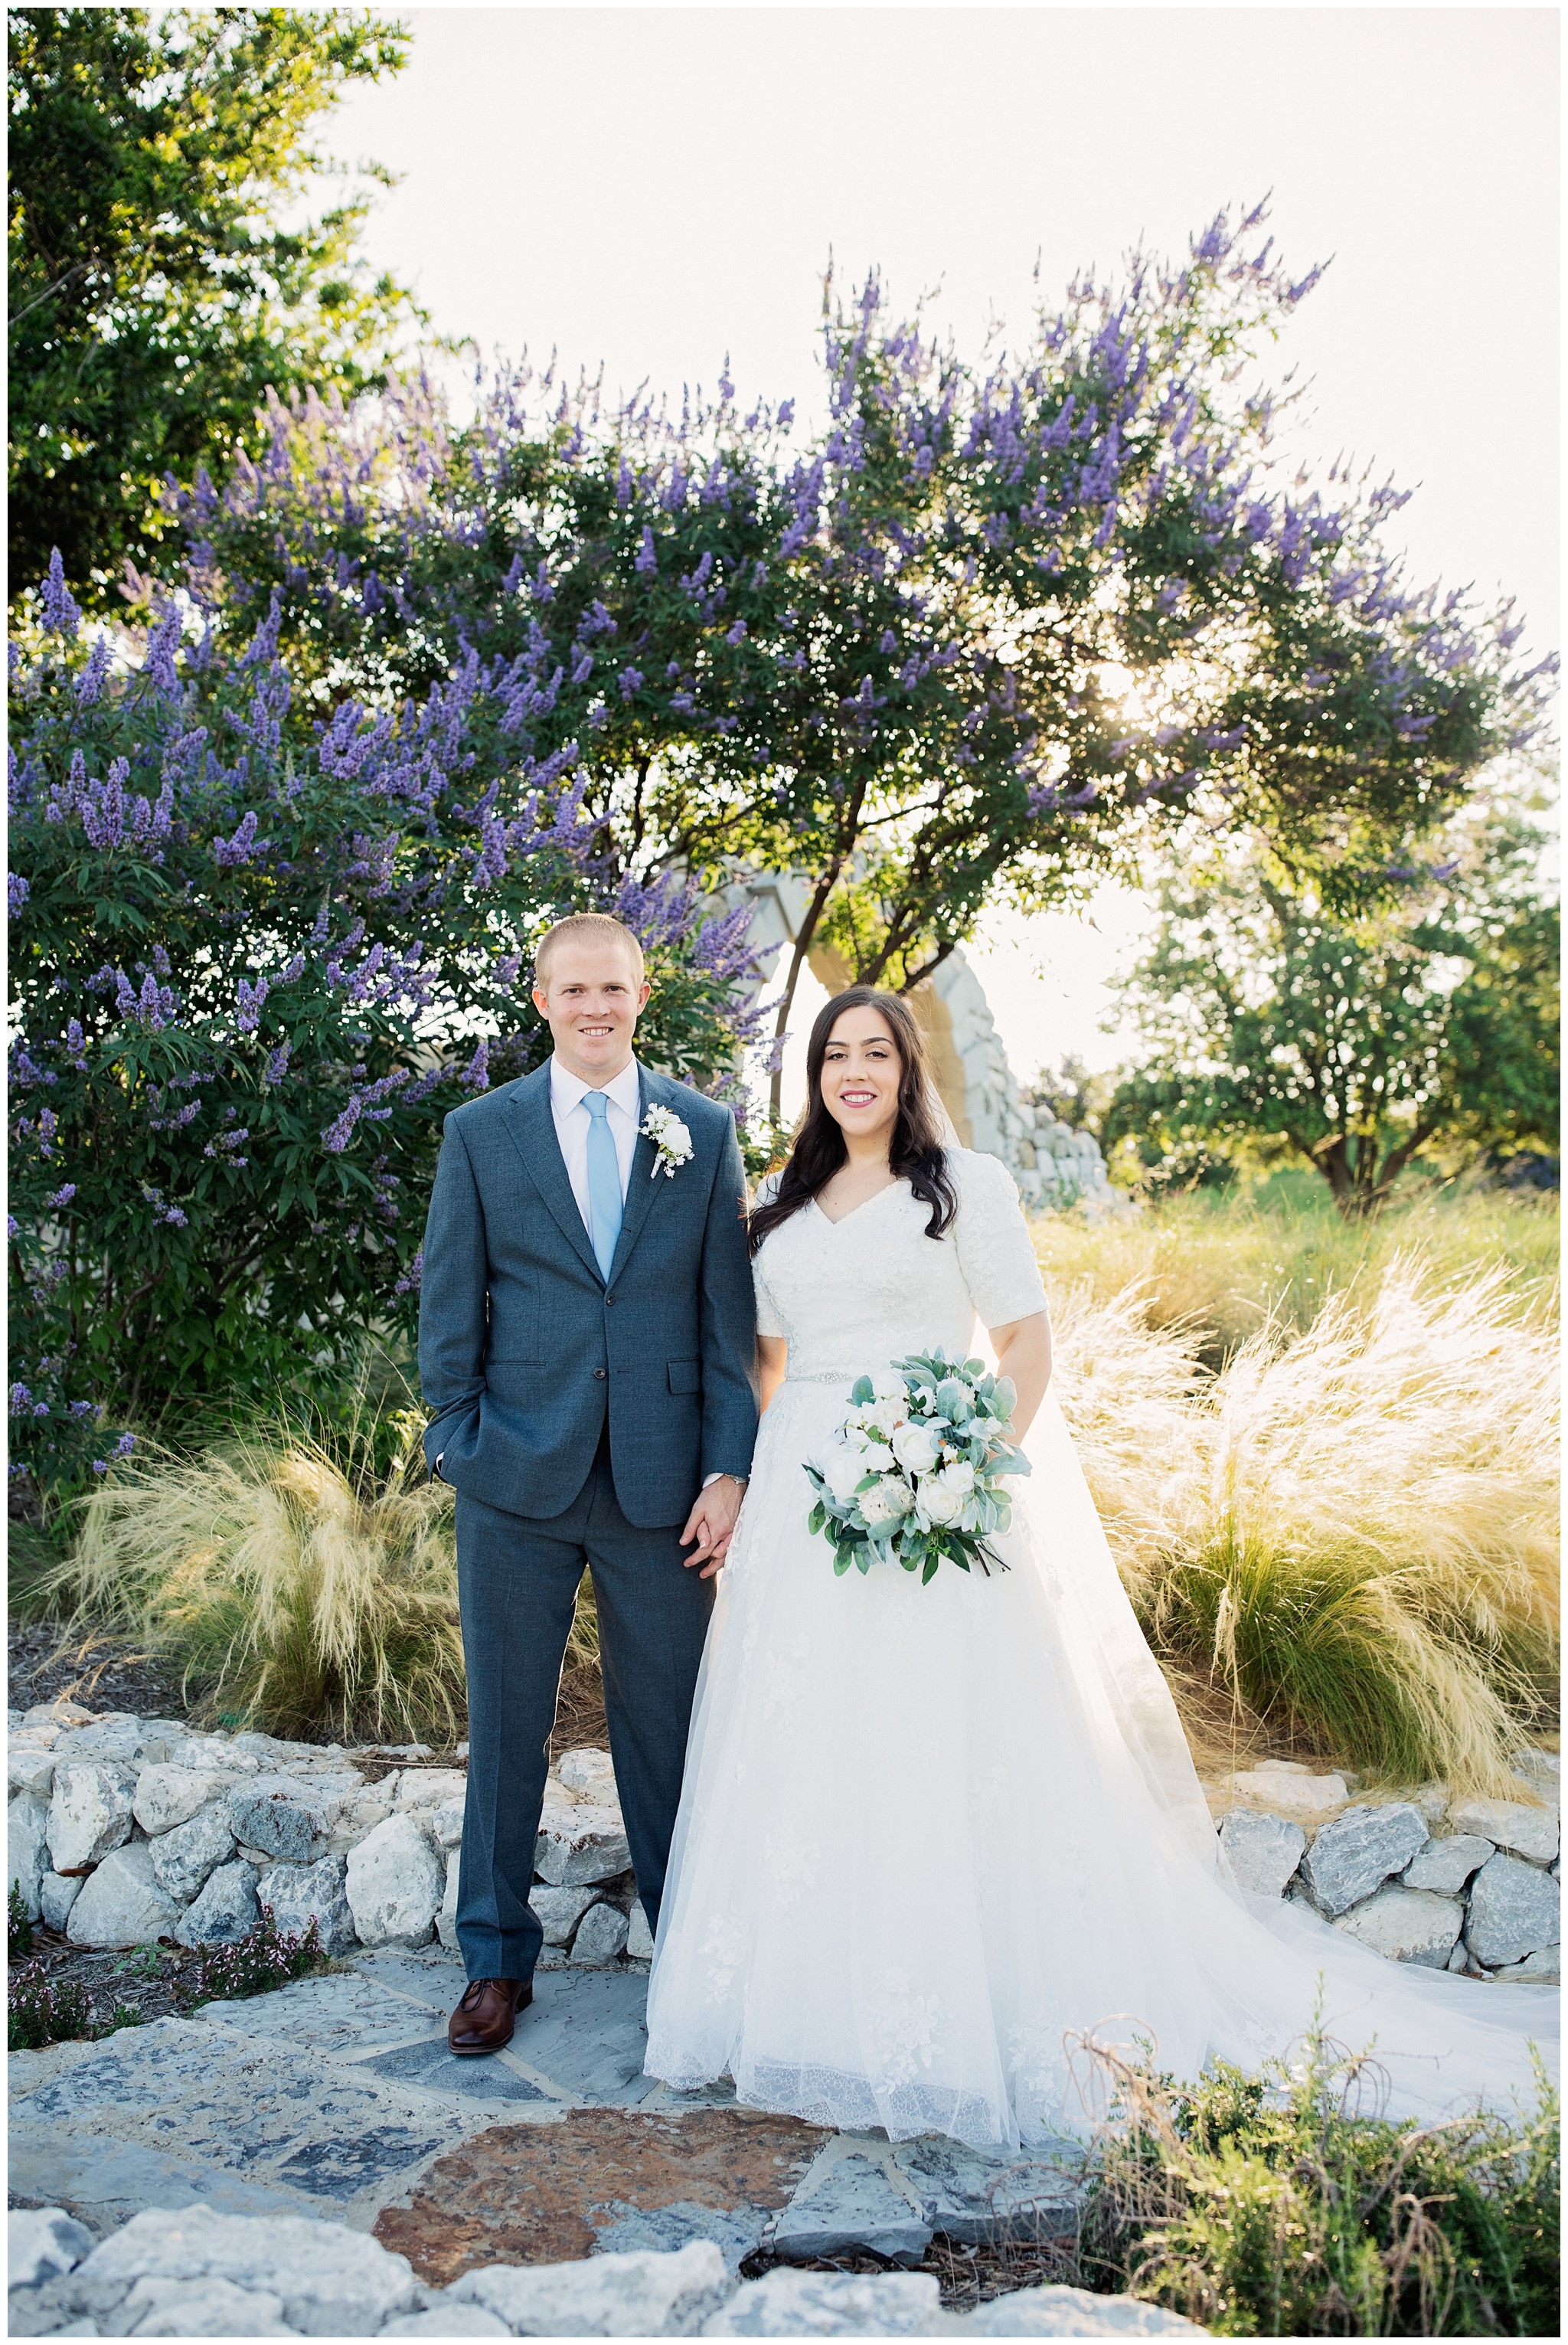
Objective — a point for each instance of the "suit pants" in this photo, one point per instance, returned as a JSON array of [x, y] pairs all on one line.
[[517, 1586]]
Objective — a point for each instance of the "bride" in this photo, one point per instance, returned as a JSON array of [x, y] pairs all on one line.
[[930, 1832]]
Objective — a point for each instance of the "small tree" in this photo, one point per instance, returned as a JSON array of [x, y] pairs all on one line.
[[155, 294], [1359, 1042], [253, 961]]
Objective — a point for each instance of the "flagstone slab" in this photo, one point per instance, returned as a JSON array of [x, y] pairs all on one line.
[[211, 2097], [547, 2193], [436, 2069], [342, 2015]]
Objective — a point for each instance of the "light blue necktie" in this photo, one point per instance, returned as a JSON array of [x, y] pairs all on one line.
[[604, 1205]]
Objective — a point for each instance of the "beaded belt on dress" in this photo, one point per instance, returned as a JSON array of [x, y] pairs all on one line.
[[826, 1376]]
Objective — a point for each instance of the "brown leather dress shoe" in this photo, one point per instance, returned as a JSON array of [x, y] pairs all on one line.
[[485, 2017]]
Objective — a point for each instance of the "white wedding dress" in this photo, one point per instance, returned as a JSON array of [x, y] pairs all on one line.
[[929, 1833]]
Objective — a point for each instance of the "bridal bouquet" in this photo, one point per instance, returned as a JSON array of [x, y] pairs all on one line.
[[914, 1471]]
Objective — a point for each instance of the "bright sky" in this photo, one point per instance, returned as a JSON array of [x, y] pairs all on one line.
[[655, 189]]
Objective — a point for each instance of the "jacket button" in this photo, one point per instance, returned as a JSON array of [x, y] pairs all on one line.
[[601, 1374], [610, 1303]]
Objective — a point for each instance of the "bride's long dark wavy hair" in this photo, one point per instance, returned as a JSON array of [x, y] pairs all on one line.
[[914, 1149]]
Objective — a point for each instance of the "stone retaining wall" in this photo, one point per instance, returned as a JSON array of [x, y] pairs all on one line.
[[1468, 1885], [125, 1829]]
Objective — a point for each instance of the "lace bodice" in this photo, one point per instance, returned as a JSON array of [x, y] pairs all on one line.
[[849, 1296]]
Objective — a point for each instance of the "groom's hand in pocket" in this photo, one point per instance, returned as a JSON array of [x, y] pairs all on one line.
[[712, 1524]]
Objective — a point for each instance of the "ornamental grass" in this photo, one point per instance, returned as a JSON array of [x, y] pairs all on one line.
[[296, 1587], [1284, 2206], [1347, 1535]]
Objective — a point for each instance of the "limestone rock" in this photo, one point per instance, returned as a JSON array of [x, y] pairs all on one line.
[[1282, 1792], [1514, 1910], [1263, 1850], [1545, 1967], [225, 1911], [168, 1796], [330, 2281], [430, 1787], [600, 1937], [89, 1813], [1356, 1852], [29, 1767], [27, 1848], [845, 2203], [184, 1859], [558, 1911], [41, 2243], [976, 2197], [279, 1817], [1447, 1864], [445, 2320], [643, 2295], [447, 1919], [590, 1773], [395, 1881], [121, 1904], [579, 1842], [638, 1936], [1540, 1769], [1409, 1925], [1523, 1830], [57, 1893], [1074, 2312], [199, 2308], [831, 2304], [299, 1895], [445, 1824], [212, 1751]]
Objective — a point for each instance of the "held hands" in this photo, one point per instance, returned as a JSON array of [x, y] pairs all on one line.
[[711, 1523]]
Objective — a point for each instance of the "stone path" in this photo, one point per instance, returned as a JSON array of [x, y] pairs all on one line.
[[335, 2098], [229, 2165]]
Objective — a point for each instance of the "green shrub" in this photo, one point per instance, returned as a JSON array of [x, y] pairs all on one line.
[[1270, 2207], [41, 2010], [18, 1926]]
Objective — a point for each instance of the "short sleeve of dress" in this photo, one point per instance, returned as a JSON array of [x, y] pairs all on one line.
[[995, 1253], [769, 1322]]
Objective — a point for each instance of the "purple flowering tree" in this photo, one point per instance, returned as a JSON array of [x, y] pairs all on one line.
[[261, 943], [984, 636]]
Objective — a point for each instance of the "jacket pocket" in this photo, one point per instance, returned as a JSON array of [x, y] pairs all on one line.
[[685, 1376]]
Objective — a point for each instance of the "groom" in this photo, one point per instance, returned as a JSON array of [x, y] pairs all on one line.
[[586, 1348]]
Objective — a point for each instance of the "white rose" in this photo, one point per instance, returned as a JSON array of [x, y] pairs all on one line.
[[876, 1457], [886, 1502], [887, 1387], [888, 1414], [939, 1501], [959, 1477], [916, 1447], [841, 1470]]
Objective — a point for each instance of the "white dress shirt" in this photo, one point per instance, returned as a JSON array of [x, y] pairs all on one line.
[[573, 1122]]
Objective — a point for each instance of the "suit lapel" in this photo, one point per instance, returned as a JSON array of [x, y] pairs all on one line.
[[643, 1184], [534, 1128]]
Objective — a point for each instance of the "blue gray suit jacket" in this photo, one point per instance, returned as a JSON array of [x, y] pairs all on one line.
[[522, 1343]]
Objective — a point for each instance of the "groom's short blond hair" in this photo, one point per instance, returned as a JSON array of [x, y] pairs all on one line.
[[586, 928]]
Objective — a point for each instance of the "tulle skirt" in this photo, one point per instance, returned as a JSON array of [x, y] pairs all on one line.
[[932, 1837]]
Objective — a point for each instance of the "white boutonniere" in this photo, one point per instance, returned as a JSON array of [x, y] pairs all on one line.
[[672, 1141]]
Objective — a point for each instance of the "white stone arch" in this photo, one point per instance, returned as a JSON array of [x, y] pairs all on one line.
[[1052, 1163]]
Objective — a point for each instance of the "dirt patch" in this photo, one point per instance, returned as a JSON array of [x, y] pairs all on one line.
[[967, 2276], [136, 1982], [537, 2194], [101, 1673]]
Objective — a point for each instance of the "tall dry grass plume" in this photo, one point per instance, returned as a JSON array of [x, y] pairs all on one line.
[[296, 1587], [1350, 1531]]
